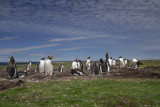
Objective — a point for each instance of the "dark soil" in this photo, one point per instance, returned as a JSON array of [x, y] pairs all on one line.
[[117, 73]]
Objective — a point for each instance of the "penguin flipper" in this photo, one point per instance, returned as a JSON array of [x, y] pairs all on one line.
[[15, 72], [7, 69]]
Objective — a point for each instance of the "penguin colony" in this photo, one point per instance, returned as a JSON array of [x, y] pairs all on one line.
[[45, 66]]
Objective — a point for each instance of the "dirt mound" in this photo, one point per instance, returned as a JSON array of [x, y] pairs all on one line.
[[137, 74], [9, 84], [153, 68], [147, 72]]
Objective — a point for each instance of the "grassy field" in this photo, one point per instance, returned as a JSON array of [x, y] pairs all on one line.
[[150, 63], [100, 93], [105, 92]]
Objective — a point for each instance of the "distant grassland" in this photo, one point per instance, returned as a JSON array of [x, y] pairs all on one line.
[[23, 66], [68, 64], [84, 93], [150, 63]]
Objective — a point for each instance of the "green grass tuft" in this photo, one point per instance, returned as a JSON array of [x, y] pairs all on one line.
[[123, 92]]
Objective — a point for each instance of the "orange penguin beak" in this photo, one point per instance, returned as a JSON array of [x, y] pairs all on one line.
[[52, 57]]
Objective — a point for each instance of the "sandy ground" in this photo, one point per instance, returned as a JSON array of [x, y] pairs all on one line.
[[116, 73]]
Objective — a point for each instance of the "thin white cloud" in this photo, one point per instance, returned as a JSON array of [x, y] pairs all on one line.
[[69, 49], [12, 50], [8, 38], [38, 54], [76, 38]]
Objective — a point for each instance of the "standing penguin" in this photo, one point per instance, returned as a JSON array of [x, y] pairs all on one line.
[[37, 68], [48, 67], [60, 69], [11, 68], [114, 62], [121, 62], [107, 64], [28, 68], [41, 65], [88, 63], [110, 61], [98, 67], [125, 62]]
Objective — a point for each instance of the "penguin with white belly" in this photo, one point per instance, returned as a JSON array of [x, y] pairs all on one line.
[[110, 61], [125, 62], [11, 68], [135, 63], [88, 63], [60, 69], [107, 64], [41, 65], [28, 68], [121, 62], [37, 68], [48, 67], [114, 62]]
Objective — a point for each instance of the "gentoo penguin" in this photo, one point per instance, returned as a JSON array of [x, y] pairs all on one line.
[[95, 69], [110, 61], [125, 62], [60, 69], [114, 62], [37, 68], [81, 67], [48, 67], [88, 63], [135, 63], [11, 68], [98, 67], [121, 62], [107, 64], [41, 65], [77, 67], [28, 68], [101, 66]]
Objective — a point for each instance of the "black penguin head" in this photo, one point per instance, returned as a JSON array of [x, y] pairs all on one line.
[[50, 57], [88, 57], [110, 57], [11, 57], [120, 57], [76, 60], [101, 60], [43, 58]]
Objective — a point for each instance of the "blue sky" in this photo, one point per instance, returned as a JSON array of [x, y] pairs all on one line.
[[69, 29]]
